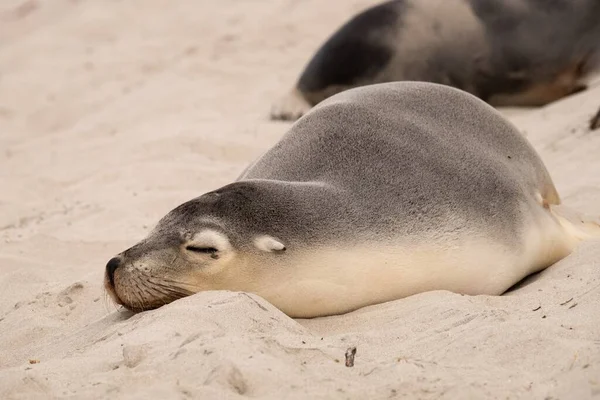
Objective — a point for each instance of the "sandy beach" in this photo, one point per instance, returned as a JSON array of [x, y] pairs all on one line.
[[114, 112]]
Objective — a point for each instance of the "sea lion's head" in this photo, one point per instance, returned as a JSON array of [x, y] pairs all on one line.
[[218, 241]]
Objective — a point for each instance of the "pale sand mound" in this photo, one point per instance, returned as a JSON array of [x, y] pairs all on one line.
[[112, 113]]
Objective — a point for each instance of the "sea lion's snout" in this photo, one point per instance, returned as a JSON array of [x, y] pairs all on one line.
[[145, 281]]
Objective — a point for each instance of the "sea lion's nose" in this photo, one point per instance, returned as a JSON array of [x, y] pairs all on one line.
[[111, 267]]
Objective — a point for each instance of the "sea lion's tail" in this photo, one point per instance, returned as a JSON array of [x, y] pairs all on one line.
[[580, 226]]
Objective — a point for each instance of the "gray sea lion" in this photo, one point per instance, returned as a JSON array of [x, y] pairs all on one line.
[[513, 52], [378, 193]]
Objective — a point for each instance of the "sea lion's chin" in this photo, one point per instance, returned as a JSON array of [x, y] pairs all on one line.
[[146, 297]]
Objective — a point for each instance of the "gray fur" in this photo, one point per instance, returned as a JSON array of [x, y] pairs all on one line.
[[497, 50]]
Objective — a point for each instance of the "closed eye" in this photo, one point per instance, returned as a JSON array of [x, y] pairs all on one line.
[[204, 250]]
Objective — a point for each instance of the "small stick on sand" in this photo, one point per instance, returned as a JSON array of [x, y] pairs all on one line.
[[566, 302], [595, 121], [350, 353]]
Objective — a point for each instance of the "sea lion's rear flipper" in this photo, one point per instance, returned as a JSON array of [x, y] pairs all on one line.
[[580, 226]]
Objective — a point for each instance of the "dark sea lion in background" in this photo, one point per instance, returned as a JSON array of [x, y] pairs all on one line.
[[510, 52], [378, 193]]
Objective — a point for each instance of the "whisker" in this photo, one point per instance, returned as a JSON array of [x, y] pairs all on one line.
[[174, 292], [153, 292], [130, 300], [164, 291], [166, 280], [173, 289], [171, 285], [109, 302], [105, 300], [138, 295]]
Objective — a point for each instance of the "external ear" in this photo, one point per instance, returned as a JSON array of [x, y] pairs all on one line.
[[208, 241], [268, 244]]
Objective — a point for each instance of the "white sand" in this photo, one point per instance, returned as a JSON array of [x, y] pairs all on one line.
[[114, 112]]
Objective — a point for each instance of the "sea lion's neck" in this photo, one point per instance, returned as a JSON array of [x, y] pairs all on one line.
[[308, 211]]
